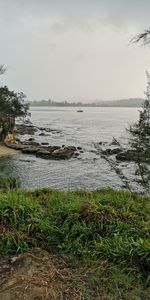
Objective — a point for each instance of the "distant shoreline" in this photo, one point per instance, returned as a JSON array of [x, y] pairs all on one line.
[[133, 102]]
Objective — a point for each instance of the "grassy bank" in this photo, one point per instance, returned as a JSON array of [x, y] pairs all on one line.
[[105, 233]]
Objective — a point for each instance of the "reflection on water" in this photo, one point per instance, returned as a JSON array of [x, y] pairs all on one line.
[[87, 171]]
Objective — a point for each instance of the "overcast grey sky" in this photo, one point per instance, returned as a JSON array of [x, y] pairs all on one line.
[[74, 49]]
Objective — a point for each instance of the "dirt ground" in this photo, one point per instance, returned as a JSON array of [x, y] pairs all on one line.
[[37, 276]]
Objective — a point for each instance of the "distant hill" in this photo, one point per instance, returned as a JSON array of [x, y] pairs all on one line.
[[131, 102]]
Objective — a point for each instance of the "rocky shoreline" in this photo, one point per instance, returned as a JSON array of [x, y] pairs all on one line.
[[43, 149], [126, 155], [122, 153], [29, 145]]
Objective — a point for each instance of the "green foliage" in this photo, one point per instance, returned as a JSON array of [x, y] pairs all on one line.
[[104, 224], [12, 243], [12, 105], [105, 231], [140, 141], [140, 131]]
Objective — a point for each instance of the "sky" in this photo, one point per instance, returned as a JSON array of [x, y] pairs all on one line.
[[74, 50]]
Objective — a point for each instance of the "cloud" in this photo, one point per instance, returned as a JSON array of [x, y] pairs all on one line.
[[73, 48], [114, 11]]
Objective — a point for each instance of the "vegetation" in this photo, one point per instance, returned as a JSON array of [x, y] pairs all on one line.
[[131, 102], [105, 232], [137, 149], [12, 105], [7, 182], [140, 140], [143, 37]]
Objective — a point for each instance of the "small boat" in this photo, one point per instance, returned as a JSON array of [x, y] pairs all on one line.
[[79, 110]]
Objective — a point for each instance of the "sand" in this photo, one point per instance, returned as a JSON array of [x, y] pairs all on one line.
[[4, 151]]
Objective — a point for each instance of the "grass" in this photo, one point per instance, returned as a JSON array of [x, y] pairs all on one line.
[[7, 182], [105, 232]]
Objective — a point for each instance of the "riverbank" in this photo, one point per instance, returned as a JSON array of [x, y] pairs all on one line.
[[97, 243]]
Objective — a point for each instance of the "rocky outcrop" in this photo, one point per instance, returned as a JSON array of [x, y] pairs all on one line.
[[126, 154], [30, 129], [64, 153], [110, 151], [46, 152], [15, 146], [43, 153], [30, 150], [22, 129], [43, 149], [132, 155]]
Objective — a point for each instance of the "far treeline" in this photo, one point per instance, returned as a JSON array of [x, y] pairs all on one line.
[[131, 102]]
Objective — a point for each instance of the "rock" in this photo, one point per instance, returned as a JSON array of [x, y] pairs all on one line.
[[52, 148], [47, 152], [42, 134], [27, 121], [76, 154], [110, 151], [25, 129], [55, 152], [14, 146], [43, 153], [73, 148], [47, 129], [132, 155], [121, 156], [64, 153], [35, 144], [30, 150]]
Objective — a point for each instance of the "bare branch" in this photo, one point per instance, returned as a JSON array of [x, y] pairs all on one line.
[[114, 166]]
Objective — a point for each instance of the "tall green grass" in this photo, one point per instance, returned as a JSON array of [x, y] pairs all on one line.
[[105, 224], [106, 231]]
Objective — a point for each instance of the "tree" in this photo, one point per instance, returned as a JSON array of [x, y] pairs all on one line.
[[140, 140], [140, 131], [138, 149], [143, 37], [12, 105]]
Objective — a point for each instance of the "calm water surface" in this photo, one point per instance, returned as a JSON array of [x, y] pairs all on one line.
[[73, 128]]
